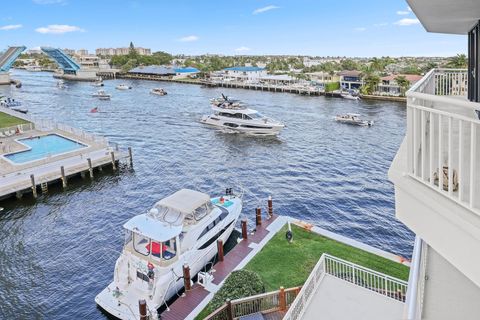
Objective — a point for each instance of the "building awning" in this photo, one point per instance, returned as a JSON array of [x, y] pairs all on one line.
[[447, 16]]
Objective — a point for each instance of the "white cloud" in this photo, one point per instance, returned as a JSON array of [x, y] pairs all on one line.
[[58, 29], [188, 39], [407, 22], [383, 24], [62, 2], [360, 29], [403, 13], [11, 27], [242, 49], [264, 9]]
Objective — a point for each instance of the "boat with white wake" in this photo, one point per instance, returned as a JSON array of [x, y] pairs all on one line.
[[354, 119], [158, 91], [102, 95], [123, 87], [233, 116], [180, 229]]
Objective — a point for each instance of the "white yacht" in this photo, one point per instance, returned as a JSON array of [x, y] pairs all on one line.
[[233, 116], [123, 87], [102, 95], [349, 96], [98, 83], [353, 118], [158, 91], [182, 228], [13, 104]]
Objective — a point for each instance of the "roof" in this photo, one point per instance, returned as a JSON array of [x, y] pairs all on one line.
[[153, 70], [186, 70], [446, 16], [153, 228], [410, 77], [279, 77], [350, 73], [185, 200], [244, 69]]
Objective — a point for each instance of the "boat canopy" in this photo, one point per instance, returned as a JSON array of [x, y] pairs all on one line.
[[184, 201], [152, 228]]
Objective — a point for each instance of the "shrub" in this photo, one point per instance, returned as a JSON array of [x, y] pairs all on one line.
[[240, 284], [331, 86]]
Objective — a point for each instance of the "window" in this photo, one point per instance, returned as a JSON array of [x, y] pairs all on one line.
[[141, 244], [222, 216], [246, 117], [256, 115], [163, 250]]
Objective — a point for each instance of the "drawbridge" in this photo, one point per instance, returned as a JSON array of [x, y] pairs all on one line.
[[8, 57], [63, 60]]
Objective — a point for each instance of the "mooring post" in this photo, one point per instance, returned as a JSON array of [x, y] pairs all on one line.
[[244, 229], [258, 217], [186, 277], [142, 308], [130, 156], [282, 301], [90, 168], [114, 166], [220, 250], [64, 178], [34, 186], [270, 207], [229, 310]]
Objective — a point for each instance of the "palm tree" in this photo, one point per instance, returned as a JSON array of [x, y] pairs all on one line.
[[460, 61], [403, 83]]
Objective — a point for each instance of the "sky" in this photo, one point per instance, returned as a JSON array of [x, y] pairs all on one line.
[[350, 28]]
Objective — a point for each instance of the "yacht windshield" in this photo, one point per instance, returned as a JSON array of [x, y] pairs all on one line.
[[256, 115], [141, 244], [166, 214], [163, 250]]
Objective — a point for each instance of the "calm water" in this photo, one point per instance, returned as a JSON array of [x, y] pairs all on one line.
[[57, 253]]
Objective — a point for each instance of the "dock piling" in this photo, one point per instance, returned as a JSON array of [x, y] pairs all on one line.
[[64, 178], [186, 277], [90, 168], [229, 310], [142, 308], [130, 156], [270, 207], [220, 250], [258, 216], [114, 166], [244, 229], [34, 186], [282, 301]]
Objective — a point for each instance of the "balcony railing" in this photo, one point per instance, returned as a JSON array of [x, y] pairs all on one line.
[[348, 271], [443, 134]]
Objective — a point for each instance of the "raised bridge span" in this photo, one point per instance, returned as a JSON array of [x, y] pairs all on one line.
[[63, 60], [8, 57]]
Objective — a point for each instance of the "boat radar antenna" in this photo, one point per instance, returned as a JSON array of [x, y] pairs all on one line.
[[224, 97]]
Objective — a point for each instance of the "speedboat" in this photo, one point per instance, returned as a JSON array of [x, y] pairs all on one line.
[[61, 85], [349, 96], [353, 118], [98, 83], [158, 91], [13, 104], [233, 116], [181, 229], [102, 95], [123, 87]]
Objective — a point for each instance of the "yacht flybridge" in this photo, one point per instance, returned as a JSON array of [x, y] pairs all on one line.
[[233, 116], [180, 229]]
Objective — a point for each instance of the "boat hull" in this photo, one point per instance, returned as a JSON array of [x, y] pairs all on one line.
[[263, 129]]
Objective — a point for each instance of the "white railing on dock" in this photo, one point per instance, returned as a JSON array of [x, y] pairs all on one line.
[[369, 279], [49, 125], [443, 134]]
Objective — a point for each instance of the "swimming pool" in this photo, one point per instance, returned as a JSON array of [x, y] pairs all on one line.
[[42, 147]]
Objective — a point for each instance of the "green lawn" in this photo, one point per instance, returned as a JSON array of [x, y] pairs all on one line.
[[285, 264], [9, 121]]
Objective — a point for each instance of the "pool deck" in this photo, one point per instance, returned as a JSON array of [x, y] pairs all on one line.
[[16, 179]]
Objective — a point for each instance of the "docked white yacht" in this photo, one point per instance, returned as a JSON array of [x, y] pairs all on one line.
[[102, 95], [233, 116], [353, 118], [180, 229]]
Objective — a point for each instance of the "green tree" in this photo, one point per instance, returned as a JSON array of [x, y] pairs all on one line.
[[403, 83], [460, 61], [348, 64]]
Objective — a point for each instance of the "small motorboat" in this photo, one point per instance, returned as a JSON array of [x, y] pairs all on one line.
[[61, 85], [13, 104], [102, 95], [349, 96], [353, 118], [98, 83], [158, 91], [123, 87]]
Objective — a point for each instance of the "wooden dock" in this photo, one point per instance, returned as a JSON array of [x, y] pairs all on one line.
[[19, 179], [183, 307]]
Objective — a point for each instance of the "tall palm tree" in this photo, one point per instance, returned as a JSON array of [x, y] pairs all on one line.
[[403, 83], [458, 62]]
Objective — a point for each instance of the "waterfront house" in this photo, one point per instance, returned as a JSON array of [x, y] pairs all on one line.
[[152, 72], [389, 85], [350, 79], [186, 72], [244, 74]]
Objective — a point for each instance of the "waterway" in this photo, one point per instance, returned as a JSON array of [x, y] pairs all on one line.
[[58, 252]]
